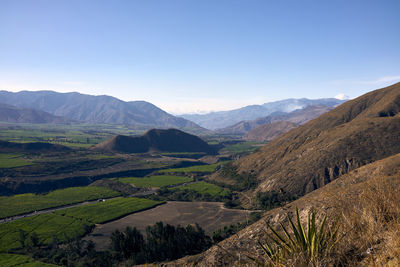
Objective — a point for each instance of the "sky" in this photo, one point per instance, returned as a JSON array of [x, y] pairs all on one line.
[[195, 56]]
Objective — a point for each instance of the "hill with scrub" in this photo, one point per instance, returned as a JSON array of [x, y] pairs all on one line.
[[9, 113], [156, 140]]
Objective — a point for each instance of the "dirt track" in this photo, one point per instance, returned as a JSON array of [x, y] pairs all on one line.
[[209, 215]]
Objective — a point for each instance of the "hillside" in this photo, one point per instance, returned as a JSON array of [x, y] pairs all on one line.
[[358, 186], [299, 116], [222, 119], [31, 147], [356, 133], [10, 113], [268, 132], [96, 109], [171, 140]]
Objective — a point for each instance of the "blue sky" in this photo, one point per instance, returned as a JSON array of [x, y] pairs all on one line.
[[192, 55]]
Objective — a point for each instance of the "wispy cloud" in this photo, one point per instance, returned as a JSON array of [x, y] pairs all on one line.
[[378, 81]]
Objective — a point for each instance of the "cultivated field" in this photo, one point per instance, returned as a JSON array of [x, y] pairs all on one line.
[[108, 210], [198, 168], [209, 215], [24, 203], [14, 260], [204, 188], [156, 181], [12, 161], [69, 223]]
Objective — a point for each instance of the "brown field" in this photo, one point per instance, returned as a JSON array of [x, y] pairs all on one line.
[[209, 215]]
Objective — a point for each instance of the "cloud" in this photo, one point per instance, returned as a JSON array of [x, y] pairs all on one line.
[[379, 81], [342, 96]]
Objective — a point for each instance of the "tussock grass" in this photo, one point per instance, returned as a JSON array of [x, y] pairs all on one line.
[[371, 226]]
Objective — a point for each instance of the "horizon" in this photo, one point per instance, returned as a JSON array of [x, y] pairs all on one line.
[[200, 57]]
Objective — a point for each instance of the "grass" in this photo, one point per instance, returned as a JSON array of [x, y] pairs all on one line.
[[156, 181], [24, 203], [242, 147], [198, 168], [301, 245], [46, 226], [13, 260], [69, 223], [108, 210], [12, 161], [204, 188]]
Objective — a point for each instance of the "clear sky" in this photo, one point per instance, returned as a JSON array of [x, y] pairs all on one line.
[[199, 55]]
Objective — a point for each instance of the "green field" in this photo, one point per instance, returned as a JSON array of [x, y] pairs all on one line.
[[15, 260], [24, 203], [46, 226], [242, 147], [198, 168], [156, 181], [204, 188], [12, 161], [69, 223], [108, 210]]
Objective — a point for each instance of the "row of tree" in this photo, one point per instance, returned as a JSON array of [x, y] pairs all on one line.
[[162, 242]]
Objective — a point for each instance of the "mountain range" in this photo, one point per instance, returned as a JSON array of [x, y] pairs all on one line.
[[96, 109], [222, 119]]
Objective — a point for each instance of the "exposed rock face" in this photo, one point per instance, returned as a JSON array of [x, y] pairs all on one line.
[[171, 140], [356, 133]]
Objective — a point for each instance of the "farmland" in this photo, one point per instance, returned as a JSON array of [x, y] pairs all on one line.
[[24, 203], [156, 181], [108, 210], [69, 223], [12, 161], [204, 188], [193, 169], [12, 260]]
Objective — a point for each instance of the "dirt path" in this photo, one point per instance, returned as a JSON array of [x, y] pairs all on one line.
[[209, 215]]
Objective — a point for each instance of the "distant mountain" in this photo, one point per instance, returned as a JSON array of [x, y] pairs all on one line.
[[222, 119], [171, 140], [10, 113], [97, 109], [353, 134], [268, 132], [298, 117]]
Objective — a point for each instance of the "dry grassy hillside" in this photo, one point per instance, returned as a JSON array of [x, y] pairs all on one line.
[[356, 133], [366, 203]]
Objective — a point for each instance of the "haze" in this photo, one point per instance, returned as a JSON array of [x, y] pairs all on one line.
[[198, 56]]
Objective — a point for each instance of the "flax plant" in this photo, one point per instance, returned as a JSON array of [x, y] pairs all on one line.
[[300, 245]]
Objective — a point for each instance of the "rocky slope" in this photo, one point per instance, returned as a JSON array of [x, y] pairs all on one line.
[[171, 140]]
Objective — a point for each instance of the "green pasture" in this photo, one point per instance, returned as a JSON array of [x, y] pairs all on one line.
[[46, 227], [198, 168], [204, 188], [15, 260], [242, 147], [108, 210], [12, 161], [156, 181], [24, 203]]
